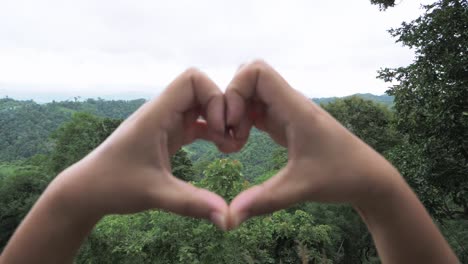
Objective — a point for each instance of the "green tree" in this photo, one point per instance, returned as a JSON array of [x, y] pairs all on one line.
[[288, 236], [78, 137], [256, 156], [18, 192], [26, 125], [352, 242], [224, 178], [182, 166], [383, 4], [370, 121], [431, 102]]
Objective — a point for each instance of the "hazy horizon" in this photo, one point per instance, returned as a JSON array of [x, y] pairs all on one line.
[[43, 98], [60, 49]]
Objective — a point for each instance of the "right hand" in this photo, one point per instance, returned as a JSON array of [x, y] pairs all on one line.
[[326, 163]]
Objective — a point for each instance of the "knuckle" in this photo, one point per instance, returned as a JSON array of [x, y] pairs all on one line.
[[259, 64], [188, 207], [191, 72]]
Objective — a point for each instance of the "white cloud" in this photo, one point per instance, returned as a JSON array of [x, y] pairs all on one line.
[[323, 48]]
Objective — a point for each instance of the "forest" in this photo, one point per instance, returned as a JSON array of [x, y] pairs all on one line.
[[421, 126]]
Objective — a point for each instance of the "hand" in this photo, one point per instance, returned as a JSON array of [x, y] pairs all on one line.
[[131, 170], [326, 163]]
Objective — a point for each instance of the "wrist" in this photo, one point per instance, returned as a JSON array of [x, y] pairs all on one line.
[[71, 196], [384, 196], [52, 231]]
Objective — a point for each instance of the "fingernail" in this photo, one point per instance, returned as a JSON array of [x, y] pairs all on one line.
[[231, 133], [228, 131], [219, 220]]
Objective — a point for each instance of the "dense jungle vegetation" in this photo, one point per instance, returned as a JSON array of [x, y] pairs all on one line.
[[421, 126]]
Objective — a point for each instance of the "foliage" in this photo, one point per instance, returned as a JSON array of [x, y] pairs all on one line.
[[256, 156], [19, 189], [224, 178], [372, 122], [112, 109], [353, 242], [77, 138], [182, 166], [26, 125], [421, 127], [456, 233], [383, 4], [381, 99], [23, 181], [84, 132], [160, 237], [313, 233], [431, 101]]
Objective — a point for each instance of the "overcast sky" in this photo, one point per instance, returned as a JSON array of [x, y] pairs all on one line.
[[124, 47]]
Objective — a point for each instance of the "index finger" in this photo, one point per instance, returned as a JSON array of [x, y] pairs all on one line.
[[191, 89], [254, 81]]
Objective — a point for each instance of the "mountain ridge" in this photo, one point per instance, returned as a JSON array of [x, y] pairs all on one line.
[[26, 126]]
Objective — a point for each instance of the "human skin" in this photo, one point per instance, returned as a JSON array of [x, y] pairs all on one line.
[[326, 164], [128, 173]]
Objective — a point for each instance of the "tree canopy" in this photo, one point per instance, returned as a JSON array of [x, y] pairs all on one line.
[[421, 127], [431, 102]]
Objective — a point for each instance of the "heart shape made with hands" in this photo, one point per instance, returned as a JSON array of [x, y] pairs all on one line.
[[256, 97], [259, 97]]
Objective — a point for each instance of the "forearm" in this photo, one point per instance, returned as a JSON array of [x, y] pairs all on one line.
[[52, 232], [402, 229]]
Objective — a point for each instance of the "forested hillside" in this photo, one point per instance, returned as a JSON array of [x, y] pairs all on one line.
[[326, 233], [305, 231], [383, 99], [260, 152], [421, 127], [25, 126], [67, 131]]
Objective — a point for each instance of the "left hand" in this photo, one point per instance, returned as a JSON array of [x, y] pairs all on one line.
[[131, 170]]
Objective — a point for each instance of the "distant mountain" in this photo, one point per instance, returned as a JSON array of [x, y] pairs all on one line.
[[60, 94], [257, 154], [25, 127], [383, 99]]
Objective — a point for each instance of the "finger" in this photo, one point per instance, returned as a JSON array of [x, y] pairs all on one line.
[[240, 67], [192, 89], [270, 196], [257, 114], [185, 199], [235, 107], [200, 130], [254, 81], [241, 132]]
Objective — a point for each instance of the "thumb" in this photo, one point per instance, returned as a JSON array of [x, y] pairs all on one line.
[[185, 199], [275, 194]]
